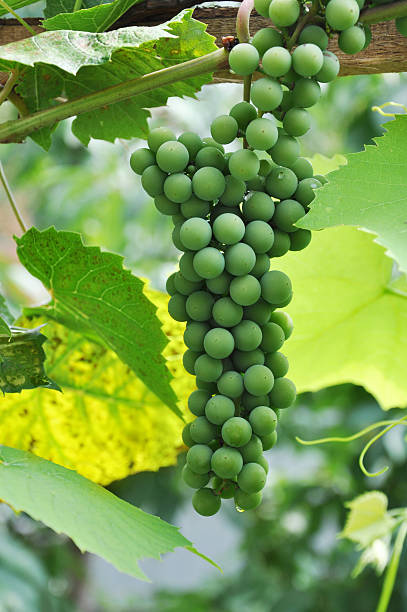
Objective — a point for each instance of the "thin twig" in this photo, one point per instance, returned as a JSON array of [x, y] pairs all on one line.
[[302, 23], [11, 199], [391, 572], [20, 19], [77, 5], [11, 81]]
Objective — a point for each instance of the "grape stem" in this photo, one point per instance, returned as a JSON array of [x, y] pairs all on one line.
[[243, 34], [302, 23], [391, 573], [10, 198], [384, 12]]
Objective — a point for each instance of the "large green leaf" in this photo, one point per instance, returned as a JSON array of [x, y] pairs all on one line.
[[95, 519], [92, 291], [94, 19], [370, 192], [54, 7]]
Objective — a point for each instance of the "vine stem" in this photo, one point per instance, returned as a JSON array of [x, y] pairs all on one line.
[[243, 34], [18, 129], [302, 23], [77, 5], [17, 16], [11, 81], [391, 572], [384, 12], [11, 199]]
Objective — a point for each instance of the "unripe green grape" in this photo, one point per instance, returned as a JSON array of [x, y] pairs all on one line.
[[302, 168], [244, 59], [284, 13], [208, 369], [194, 207], [226, 312], [276, 61], [352, 40], [239, 259], [186, 267], [287, 101], [275, 287], [401, 25], [264, 464], [177, 307], [247, 501], [300, 239], [188, 361], [342, 14], [197, 401], [208, 141], [243, 113], [296, 122], [220, 284], [284, 320], [205, 502], [186, 436], [219, 343], [330, 68], [269, 441], [224, 129], [234, 191], [247, 335], [225, 488], [281, 183], [219, 409], [208, 183], [226, 462], [262, 7], [170, 285], [202, 431], [166, 206], [307, 59], [252, 478], [192, 142], [195, 233], [231, 384], [178, 187], [281, 244], [195, 481], [236, 431], [321, 178], [228, 228], [263, 420], [261, 134], [273, 337], [209, 263], [172, 156], [315, 35], [368, 35], [283, 393], [252, 451], [184, 286], [199, 306], [206, 386], [178, 218], [262, 264], [258, 380], [243, 360], [245, 290], [266, 94], [285, 151], [259, 312], [158, 136], [286, 214], [210, 157], [306, 92], [305, 190], [199, 458], [244, 164], [259, 235], [176, 239], [141, 159], [256, 184], [152, 181], [249, 401], [266, 38], [219, 209], [278, 364]]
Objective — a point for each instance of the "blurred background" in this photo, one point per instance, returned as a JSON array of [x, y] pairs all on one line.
[[283, 557]]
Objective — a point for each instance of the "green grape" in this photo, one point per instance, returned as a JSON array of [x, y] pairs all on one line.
[[259, 235], [197, 401], [401, 25], [206, 386], [199, 458], [225, 488], [158, 136], [177, 307], [219, 343], [247, 335], [243, 113], [281, 183], [258, 312], [252, 478], [273, 337], [285, 151], [152, 181], [368, 35], [194, 335], [342, 14], [286, 214], [258, 380], [186, 436], [172, 156], [245, 290], [244, 164], [321, 178], [219, 209], [228, 228], [275, 287], [236, 432], [315, 35], [195, 233], [239, 259], [165, 206], [231, 384], [206, 502], [220, 284], [244, 59], [278, 364], [284, 320], [219, 409], [243, 360], [209, 263], [261, 134], [186, 267], [224, 129], [281, 244], [170, 285], [188, 361], [352, 40], [234, 191], [307, 59], [283, 393], [266, 94], [210, 157], [202, 431], [249, 401], [296, 122], [287, 101], [194, 207], [252, 451], [176, 239], [263, 420], [264, 463], [226, 312], [208, 183], [266, 38], [276, 61], [141, 159], [330, 68], [269, 441], [184, 286], [178, 218], [226, 462], [284, 13], [361, 4], [178, 187], [247, 501], [195, 481], [306, 92], [192, 142], [300, 239], [208, 369], [210, 142], [262, 265], [256, 184], [302, 168], [199, 305], [305, 190], [262, 7]]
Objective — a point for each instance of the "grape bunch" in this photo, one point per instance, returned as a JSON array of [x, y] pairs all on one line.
[[233, 213]]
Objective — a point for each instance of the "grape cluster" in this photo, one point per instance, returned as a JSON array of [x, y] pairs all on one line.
[[234, 212]]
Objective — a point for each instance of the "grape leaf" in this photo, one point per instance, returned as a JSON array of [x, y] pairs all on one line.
[[106, 424], [15, 5], [95, 519], [4, 328], [370, 192], [4, 311], [91, 289], [95, 19], [54, 7], [368, 519]]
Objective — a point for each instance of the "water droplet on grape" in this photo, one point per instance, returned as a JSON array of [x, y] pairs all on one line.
[[238, 508]]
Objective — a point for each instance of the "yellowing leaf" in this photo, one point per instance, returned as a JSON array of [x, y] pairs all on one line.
[[368, 519]]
